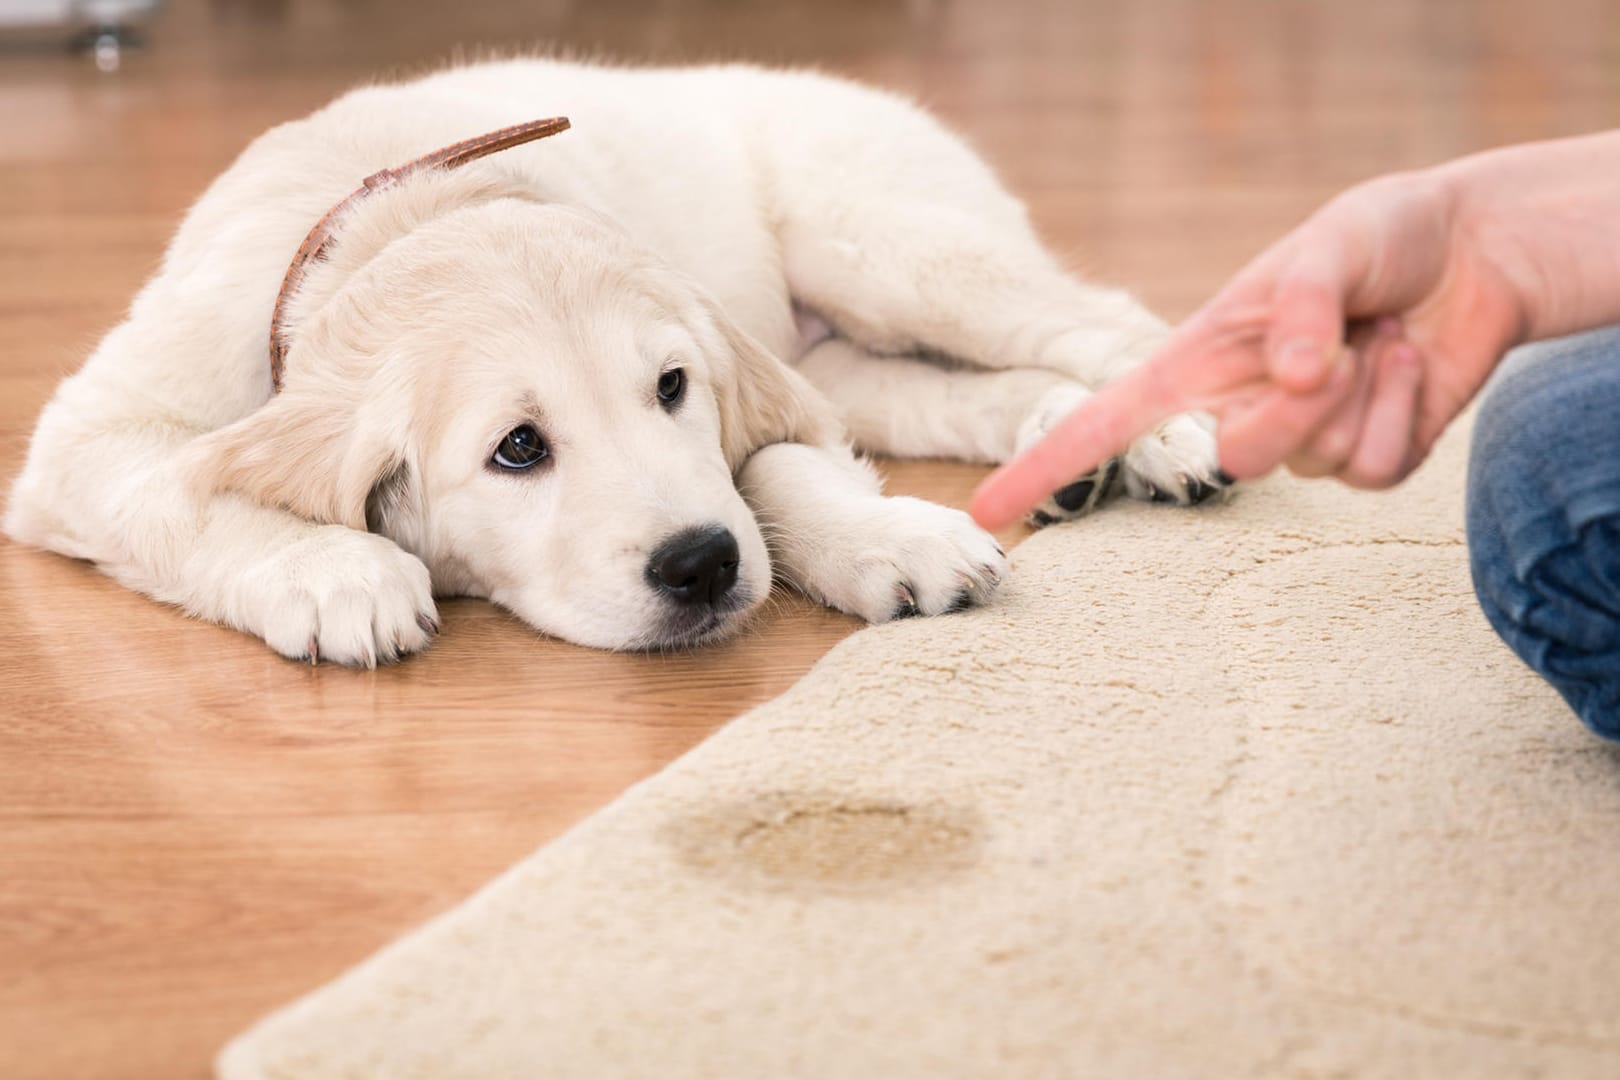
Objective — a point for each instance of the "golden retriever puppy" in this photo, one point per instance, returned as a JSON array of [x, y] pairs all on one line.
[[603, 379]]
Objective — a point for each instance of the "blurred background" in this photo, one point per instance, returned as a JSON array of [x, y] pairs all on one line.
[[1134, 128], [209, 832]]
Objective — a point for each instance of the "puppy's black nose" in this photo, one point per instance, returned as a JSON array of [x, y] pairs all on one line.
[[695, 566]]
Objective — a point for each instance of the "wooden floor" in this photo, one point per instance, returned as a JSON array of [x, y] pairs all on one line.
[[192, 830]]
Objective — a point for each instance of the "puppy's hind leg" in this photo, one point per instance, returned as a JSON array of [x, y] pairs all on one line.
[[928, 408], [907, 245], [906, 406], [946, 287]]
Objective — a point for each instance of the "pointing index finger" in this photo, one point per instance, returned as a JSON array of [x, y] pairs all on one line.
[[1100, 428], [1194, 369]]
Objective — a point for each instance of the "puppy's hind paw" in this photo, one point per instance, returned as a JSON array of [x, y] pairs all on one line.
[[1175, 464], [1079, 498], [1083, 494]]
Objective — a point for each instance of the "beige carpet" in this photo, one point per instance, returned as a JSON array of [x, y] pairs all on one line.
[[1250, 791]]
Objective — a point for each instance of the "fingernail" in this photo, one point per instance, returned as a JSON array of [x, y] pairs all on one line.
[[1301, 362]]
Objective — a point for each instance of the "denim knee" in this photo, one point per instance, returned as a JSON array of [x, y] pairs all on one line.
[[1544, 517]]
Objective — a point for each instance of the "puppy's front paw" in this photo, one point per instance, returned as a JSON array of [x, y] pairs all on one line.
[[1177, 463], [910, 557], [341, 595]]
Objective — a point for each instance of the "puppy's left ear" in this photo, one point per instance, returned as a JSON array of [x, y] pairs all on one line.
[[763, 401], [313, 453]]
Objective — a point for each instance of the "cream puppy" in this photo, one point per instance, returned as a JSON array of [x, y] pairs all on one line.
[[603, 380]]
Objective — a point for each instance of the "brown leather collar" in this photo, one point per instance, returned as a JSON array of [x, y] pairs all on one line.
[[314, 245]]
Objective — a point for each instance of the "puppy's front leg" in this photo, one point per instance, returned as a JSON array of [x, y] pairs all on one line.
[[836, 537], [311, 591]]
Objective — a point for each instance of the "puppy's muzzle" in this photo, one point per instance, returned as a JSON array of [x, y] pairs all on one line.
[[696, 566]]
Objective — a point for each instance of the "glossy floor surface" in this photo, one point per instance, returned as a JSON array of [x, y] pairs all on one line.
[[192, 830]]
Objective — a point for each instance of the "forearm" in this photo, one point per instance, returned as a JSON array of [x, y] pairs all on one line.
[[1547, 216]]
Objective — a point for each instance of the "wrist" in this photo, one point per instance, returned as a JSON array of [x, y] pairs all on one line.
[[1492, 253], [1545, 218]]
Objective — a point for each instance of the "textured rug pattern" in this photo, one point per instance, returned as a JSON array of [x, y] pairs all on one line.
[[1246, 791]]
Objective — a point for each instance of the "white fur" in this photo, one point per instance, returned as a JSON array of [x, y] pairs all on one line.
[[720, 220]]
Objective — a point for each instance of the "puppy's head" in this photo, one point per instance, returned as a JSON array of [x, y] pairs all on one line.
[[545, 414]]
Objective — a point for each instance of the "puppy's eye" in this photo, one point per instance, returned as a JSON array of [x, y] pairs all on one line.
[[672, 387], [523, 448]]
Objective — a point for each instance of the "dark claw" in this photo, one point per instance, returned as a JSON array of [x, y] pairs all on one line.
[[907, 607], [1198, 491], [1042, 519], [1160, 496], [1074, 496], [428, 623], [1224, 478], [1110, 475], [963, 601]]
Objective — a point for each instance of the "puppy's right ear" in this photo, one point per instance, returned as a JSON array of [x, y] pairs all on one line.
[[319, 454]]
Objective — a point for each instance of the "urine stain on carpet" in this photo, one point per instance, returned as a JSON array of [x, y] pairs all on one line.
[[820, 839]]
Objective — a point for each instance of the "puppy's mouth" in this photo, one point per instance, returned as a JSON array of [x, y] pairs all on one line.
[[694, 627]]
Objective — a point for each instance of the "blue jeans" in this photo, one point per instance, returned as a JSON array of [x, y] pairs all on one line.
[[1544, 516]]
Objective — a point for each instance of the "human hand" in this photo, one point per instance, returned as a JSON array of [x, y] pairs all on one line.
[[1344, 350]]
